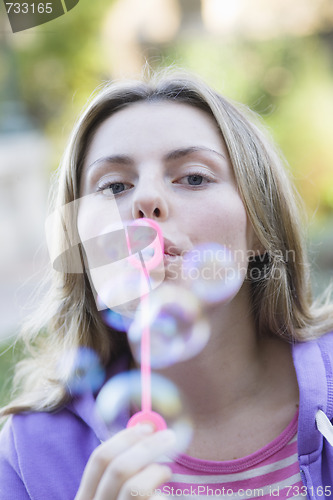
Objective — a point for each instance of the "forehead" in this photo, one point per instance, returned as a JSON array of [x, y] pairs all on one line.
[[154, 128]]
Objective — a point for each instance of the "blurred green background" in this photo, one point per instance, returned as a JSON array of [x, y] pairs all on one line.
[[276, 57]]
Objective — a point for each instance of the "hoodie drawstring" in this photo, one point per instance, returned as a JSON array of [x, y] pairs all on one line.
[[324, 426]]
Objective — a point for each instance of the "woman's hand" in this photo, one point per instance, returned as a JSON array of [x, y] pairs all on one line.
[[124, 465]]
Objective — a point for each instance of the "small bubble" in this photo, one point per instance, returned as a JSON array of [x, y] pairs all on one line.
[[212, 273], [121, 397], [116, 320], [178, 329], [145, 242], [81, 371], [139, 269]]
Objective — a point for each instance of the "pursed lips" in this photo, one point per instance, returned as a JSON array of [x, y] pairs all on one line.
[[171, 249]]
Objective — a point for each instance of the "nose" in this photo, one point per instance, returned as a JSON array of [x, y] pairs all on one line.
[[150, 203]]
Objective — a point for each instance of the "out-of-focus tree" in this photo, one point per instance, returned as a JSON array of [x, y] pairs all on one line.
[[278, 59], [58, 64], [275, 56], [289, 82]]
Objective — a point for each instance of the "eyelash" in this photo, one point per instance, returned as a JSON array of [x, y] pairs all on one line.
[[107, 185], [198, 173], [205, 177]]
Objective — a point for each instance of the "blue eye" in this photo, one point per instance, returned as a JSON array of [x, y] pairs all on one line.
[[113, 187], [195, 179], [117, 187]]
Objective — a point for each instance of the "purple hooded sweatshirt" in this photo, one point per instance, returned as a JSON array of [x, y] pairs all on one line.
[[43, 455]]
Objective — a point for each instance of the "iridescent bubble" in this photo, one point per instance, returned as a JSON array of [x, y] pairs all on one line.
[[212, 273], [116, 320], [140, 241], [145, 242], [178, 328], [120, 286], [81, 371], [140, 235], [125, 264], [120, 398], [107, 247]]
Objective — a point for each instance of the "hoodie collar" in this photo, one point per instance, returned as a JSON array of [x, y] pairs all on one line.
[[84, 406], [311, 371]]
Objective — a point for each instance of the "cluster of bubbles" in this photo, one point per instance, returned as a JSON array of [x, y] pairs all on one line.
[[81, 371], [176, 318], [121, 397]]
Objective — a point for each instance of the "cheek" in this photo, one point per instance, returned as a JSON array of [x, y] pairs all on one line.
[[97, 216], [98, 222], [224, 221]]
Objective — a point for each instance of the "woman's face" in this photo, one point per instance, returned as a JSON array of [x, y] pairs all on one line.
[[168, 162]]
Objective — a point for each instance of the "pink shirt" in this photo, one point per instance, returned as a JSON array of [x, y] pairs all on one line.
[[271, 472]]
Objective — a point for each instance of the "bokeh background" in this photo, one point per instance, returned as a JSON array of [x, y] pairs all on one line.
[[276, 57]]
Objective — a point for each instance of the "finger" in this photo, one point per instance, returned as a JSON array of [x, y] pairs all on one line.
[[133, 461], [103, 455], [145, 483]]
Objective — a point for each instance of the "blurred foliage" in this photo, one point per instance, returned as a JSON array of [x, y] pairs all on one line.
[[8, 357], [289, 82], [58, 64]]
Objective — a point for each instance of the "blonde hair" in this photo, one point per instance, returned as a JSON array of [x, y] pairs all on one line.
[[281, 294]]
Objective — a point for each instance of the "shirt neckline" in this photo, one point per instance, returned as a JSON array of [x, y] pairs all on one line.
[[243, 463]]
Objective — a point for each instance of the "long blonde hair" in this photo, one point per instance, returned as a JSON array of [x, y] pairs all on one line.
[[281, 293]]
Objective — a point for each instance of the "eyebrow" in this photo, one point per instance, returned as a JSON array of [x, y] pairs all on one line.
[[176, 154], [113, 160], [181, 152]]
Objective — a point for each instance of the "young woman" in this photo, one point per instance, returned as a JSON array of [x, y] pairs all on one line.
[[260, 393]]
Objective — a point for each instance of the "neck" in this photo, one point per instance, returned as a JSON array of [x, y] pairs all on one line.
[[236, 371]]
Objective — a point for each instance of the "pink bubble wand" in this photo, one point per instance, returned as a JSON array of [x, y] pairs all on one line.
[[147, 415]]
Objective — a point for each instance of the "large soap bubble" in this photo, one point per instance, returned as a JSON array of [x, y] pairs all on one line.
[[116, 320], [212, 273], [121, 397], [125, 264], [178, 328], [146, 244]]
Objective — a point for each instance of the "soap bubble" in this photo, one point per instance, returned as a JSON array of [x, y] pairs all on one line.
[[107, 247], [178, 329], [121, 397], [81, 371], [138, 268], [116, 320], [144, 238], [140, 241], [120, 286], [212, 273]]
